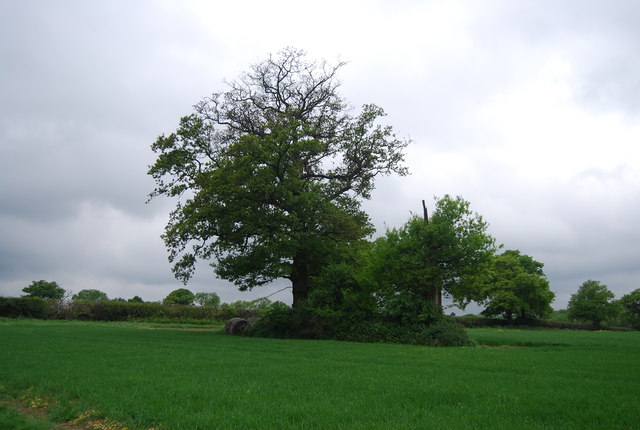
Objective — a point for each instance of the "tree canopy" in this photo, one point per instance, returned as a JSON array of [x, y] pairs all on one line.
[[516, 286], [426, 258], [594, 303], [181, 296], [270, 174], [207, 299], [93, 295], [44, 289], [631, 307]]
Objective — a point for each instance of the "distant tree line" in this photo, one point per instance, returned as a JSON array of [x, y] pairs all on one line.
[[593, 303], [47, 300]]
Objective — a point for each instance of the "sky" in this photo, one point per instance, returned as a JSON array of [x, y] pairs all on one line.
[[529, 110]]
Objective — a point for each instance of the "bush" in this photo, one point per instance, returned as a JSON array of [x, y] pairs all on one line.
[[445, 333], [310, 323], [27, 307]]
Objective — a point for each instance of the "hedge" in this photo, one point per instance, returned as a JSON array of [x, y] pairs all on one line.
[[36, 307]]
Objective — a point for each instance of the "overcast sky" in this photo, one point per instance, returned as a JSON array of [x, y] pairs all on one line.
[[528, 109]]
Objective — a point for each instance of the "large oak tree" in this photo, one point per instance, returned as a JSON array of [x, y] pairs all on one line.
[[270, 174]]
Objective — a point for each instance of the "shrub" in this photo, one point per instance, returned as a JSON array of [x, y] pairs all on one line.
[[27, 307], [324, 323], [445, 333]]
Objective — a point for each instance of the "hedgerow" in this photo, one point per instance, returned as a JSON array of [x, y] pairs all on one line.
[[36, 307]]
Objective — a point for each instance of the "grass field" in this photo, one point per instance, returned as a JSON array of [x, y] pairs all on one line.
[[176, 379]]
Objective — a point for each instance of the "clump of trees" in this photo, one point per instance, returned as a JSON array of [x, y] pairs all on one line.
[[269, 177], [183, 296]]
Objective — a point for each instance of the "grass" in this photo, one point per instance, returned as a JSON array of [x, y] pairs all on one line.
[[11, 419], [515, 379]]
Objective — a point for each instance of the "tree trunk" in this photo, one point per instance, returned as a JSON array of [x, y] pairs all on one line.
[[436, 291], [300, 281], [436, 296], [425, 214]]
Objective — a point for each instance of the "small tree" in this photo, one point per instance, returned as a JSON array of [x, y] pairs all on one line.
[[416, 264], [593, 303], [631, 307], [181, 296], [44, 289], [517, 287], [135, 299], [92, 295], [207, 299]]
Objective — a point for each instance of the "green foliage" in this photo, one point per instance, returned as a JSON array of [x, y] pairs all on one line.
[[345, 284], [28, 307], [136, 299], [593, 303], [125, 311], [116, 310], [243, 309], [275, 167], [516, 287], [409, 309], [446, 333], [207, 299], [326, 323], [181, 296], [413, 263], [631, 308], [44, 289], [91, 295], [559, 315], [383, 292]]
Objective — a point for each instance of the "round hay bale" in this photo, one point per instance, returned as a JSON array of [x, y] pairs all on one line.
[[235, 326]]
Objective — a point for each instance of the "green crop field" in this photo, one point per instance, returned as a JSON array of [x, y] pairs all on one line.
[[140, 378]]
